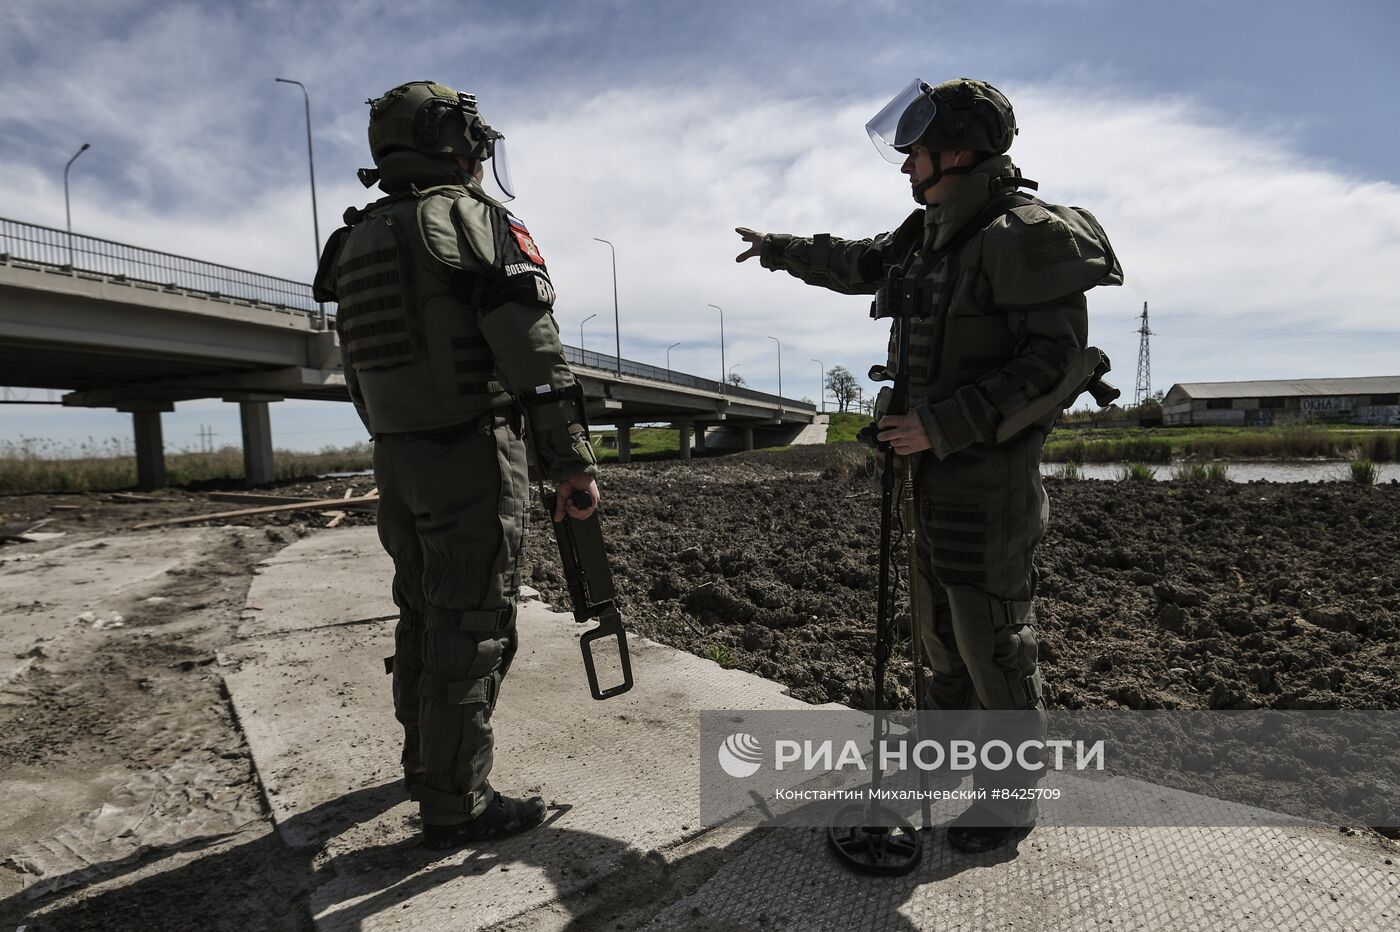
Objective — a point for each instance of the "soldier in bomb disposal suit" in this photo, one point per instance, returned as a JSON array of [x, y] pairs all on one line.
[[447, 336], [1000, 351]]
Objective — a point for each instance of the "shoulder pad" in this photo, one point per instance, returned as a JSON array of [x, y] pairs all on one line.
[[1039, 253], [445, 239], [323, 285]]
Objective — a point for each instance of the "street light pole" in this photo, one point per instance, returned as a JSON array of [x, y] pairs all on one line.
[[780, 368], [822, 366], [731, 369], [311, 165], [721, 346], [67, 209], [580, 330], [668, 354], [617, 326]]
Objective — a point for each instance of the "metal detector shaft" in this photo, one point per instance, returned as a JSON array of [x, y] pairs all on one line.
[[877, 846], [591, 591], [916, 637]]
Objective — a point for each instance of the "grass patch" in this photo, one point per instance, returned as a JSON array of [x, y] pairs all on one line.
[[1363, 471], [1137, 472], [844, 425], [31, 465], [719, 654], [1069, 470], [647, 443]]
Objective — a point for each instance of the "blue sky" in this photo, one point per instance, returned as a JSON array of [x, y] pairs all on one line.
[[1241, 156]]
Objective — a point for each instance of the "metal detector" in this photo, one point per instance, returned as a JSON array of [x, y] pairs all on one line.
[[869, 838]]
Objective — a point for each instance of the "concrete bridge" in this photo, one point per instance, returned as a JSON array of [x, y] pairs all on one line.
[[116, 326]]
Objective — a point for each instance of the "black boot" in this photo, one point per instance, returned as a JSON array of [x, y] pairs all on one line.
[[978, 830], [503, 816], [977, 839]]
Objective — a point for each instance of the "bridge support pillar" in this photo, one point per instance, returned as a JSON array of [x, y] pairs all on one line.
[[624, 443], [748, 438], [685, 440], [699, 438], [258, 468], [150, 446]]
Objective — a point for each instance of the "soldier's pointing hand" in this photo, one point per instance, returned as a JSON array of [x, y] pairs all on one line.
[[753, 238]]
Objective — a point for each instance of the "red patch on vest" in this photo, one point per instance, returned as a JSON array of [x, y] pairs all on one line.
[[527, 244]]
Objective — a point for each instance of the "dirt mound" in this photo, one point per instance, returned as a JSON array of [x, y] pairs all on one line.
[[1152, 594]]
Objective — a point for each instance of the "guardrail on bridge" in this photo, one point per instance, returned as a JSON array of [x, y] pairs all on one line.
[[32, 244]]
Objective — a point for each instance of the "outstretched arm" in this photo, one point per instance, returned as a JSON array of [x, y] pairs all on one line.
[[842, 265]]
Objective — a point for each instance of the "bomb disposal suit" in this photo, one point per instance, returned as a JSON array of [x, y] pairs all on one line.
[[1000, 351], [447, 335]]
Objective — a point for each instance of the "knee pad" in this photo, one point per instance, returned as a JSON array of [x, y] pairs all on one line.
[[995, 639], [1024, 680]]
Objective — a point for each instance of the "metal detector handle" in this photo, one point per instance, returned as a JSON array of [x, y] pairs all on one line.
[[609, 625], [589, 577]]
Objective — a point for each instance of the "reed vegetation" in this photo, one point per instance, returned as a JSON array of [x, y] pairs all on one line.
[[1137, 472], [1363, 471], [1171, 444], [35, 465]]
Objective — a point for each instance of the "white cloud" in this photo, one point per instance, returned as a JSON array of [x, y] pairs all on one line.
[[1219, 228], [1222, 226]]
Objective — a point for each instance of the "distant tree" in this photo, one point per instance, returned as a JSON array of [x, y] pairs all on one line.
[[737, 380], [842, 386]]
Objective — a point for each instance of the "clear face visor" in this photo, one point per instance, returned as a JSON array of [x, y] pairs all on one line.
[[499, 172], [479, 131], [903, 121]]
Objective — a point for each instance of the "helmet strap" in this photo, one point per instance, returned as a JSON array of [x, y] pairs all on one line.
[[938, 172]]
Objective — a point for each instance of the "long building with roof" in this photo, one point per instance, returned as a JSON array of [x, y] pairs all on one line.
[[1365, 400]]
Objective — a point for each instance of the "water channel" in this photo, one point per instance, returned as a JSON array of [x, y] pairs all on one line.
[[1240, 471]]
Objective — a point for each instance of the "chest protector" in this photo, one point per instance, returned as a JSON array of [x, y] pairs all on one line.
[[1015, 257], [412, 273]]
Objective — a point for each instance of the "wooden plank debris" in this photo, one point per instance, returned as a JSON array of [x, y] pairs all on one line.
[[263, 498], [326, 504], [18, 531], [338, 516]]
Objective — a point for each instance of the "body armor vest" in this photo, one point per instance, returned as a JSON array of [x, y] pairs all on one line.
[[967, 331], [404, 276]]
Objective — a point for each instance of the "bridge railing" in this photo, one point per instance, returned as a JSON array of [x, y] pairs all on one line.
[[30, 243], [608, 362]]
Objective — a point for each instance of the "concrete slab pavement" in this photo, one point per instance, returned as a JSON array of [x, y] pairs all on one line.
[[814, 432], [313, 700], [624, 845]]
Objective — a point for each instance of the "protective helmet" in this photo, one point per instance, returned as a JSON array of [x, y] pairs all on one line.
[[959, 114], [432, 119]]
